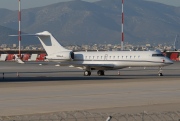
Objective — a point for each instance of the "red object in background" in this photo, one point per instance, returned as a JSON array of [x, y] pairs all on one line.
[[26, 57], [41, 57], [174, 56], [10, 57]]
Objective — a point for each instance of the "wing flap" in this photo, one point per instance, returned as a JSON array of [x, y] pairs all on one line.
[[92, 66]]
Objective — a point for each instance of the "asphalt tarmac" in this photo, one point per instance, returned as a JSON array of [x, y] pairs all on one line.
[[35, 88]]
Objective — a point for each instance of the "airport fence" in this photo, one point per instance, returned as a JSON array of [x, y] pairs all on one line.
[[88, 116]]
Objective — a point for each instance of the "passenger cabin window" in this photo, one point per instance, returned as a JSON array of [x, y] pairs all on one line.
[[157, 55]]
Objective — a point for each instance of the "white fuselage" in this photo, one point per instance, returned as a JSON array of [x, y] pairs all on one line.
[[118, 59]]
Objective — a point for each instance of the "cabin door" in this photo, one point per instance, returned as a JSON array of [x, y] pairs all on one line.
[[106, 57]]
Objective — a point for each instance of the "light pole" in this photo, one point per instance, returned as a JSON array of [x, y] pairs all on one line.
[[122, 42], [19, 32]]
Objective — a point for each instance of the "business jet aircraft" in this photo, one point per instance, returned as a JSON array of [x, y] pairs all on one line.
[[100, 60]]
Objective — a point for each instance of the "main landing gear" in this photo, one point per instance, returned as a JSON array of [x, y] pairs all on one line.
[[160, 71], [87, 73], [99, 73]]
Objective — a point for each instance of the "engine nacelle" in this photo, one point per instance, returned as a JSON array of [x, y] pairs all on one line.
[[61, 56]]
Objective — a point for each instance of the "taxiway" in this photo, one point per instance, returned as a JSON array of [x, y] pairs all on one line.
[[33, 89]]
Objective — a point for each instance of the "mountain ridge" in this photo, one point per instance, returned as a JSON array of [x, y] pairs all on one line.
[[80, 22]]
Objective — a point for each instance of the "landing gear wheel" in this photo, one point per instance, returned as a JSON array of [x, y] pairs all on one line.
[[87, 73], [160, 71], [100, 73], [160, 74]]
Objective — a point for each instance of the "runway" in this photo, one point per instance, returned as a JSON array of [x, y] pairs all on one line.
[[48, 88]]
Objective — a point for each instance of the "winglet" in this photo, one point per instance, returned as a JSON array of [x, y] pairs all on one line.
[[18, 60]]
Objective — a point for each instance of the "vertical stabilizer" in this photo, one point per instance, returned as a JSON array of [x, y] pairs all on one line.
[[50, 44]]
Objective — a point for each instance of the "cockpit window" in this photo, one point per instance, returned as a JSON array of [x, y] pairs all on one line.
[[157, 55]]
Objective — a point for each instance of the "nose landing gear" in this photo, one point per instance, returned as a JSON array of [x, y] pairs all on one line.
[[160, 71]]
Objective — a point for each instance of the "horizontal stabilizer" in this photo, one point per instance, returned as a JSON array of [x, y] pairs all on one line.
[[50, 44], [45, 33]]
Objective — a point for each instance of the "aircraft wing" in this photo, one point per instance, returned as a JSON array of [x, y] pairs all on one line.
[[108, 66], [92, 66]]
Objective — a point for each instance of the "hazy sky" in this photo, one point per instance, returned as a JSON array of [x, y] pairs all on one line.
[[13, 4]]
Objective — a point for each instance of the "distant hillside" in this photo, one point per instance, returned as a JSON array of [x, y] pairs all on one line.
[[145, 21], [3, 35], [79, 22]]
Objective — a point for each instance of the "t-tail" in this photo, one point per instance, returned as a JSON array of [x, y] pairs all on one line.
[[53, 49], [50, 44]]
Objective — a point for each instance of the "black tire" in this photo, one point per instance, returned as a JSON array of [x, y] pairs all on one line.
[[100, 73], [87, 73]]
